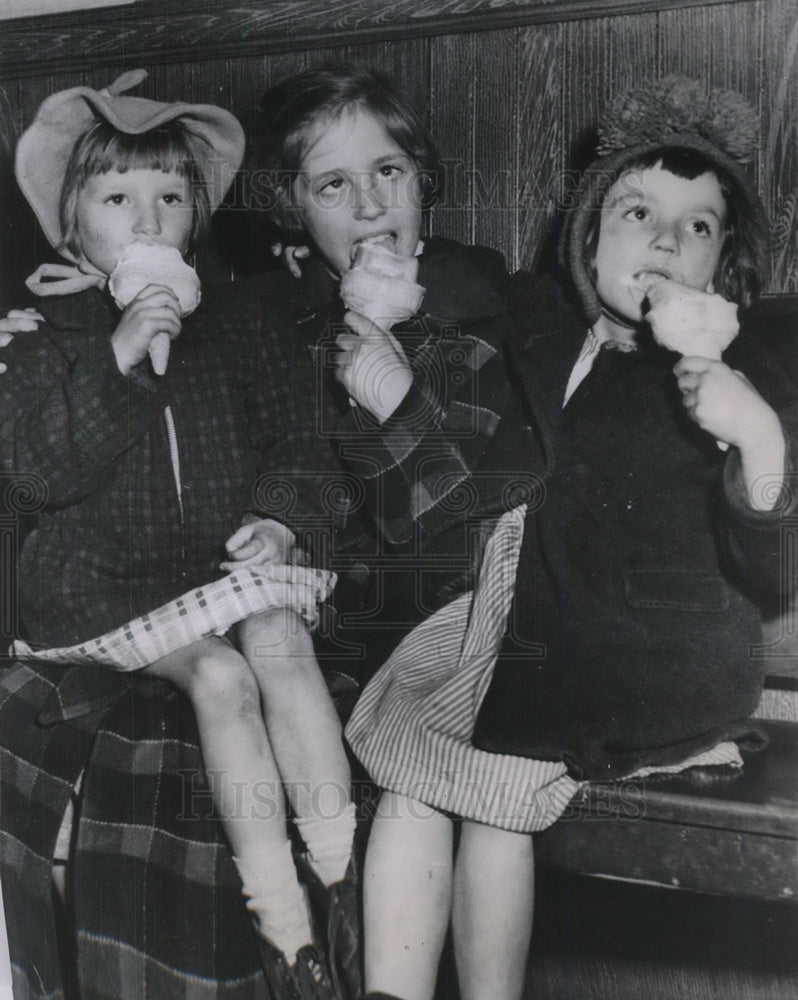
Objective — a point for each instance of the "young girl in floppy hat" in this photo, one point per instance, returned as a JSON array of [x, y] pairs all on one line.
[[143, 477], [611, 625]]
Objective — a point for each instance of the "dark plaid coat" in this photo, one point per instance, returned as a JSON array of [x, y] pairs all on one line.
[[432, 476], [156, 908]]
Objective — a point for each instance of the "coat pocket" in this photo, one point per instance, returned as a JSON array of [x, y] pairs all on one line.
[[676, 590]]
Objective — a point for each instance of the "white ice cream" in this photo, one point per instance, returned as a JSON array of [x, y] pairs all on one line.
[[381, 285], [145, 264]]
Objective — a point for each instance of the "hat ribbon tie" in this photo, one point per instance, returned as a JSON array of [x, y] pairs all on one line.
[[63, 279]]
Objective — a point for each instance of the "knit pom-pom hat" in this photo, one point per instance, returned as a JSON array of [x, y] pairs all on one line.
[[675, 112]]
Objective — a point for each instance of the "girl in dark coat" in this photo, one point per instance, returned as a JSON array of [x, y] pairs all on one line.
[[612, 623]]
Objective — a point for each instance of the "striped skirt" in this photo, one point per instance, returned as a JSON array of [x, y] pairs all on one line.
[[412, 727]]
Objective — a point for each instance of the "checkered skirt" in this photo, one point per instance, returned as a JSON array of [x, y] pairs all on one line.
[[204, 611]]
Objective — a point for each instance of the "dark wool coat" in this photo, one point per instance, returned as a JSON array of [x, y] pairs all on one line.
[[633, 630], [156, 906]]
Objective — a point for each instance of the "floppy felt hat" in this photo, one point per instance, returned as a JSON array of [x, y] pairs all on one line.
[[44, 149], [673, 112]]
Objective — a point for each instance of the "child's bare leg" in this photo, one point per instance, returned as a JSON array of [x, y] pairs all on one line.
[[407, 895], [493, 900], [245, 783], [305, 733]]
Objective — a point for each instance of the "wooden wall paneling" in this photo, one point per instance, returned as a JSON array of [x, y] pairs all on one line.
[[779, 149], [717, 44], [246, 232], [177, 31], [31, 93], [452, 97], [406, 61], [539, 146], [601, 58], [16, 221], [494, 167]]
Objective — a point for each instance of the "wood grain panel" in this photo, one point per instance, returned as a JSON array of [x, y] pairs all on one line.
[[539, 149], [172, 30], [406, 61], [601, 58], [452, 97], [494, 166], [779, 150], [714, 44]]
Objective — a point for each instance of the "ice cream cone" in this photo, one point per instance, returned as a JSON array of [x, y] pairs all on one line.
[[381, 285], [145, 264]]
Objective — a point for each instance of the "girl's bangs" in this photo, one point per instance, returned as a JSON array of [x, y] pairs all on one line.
[[161, 149]]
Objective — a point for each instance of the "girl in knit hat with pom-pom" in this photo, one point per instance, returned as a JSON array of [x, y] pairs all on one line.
[[611, 625]]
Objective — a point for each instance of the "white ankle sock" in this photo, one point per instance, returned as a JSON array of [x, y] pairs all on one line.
[[276, 899], [329, 841]]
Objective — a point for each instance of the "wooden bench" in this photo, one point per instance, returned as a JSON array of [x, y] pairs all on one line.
[[730, 835]]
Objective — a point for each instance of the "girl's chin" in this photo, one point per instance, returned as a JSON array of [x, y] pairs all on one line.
[[627, 313]]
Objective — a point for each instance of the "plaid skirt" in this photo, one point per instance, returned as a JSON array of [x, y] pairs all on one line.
[[156, 908]]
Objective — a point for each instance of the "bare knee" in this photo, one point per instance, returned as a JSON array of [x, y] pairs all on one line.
[[214, 674], [276, 643]]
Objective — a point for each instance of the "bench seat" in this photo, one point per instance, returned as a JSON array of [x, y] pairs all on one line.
[[702, 830]]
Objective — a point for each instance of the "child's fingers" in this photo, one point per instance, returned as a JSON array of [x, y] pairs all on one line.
[[156, 319], [694, 364], [3, 368], [230, 566], [361, 325], [292, 255], [366, 328], [257, 553], [29, 314], [5, 339], [347, 341], [21, 321], [161, 320], [246, 551], [238, 538], [156, 295], [689, 381]]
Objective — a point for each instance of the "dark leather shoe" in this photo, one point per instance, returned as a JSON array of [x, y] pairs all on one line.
[[307, 979], [337, 914]]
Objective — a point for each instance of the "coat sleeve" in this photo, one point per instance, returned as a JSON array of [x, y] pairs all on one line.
[[301, 481], [760, 543], [434, 441], [68, 413]]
